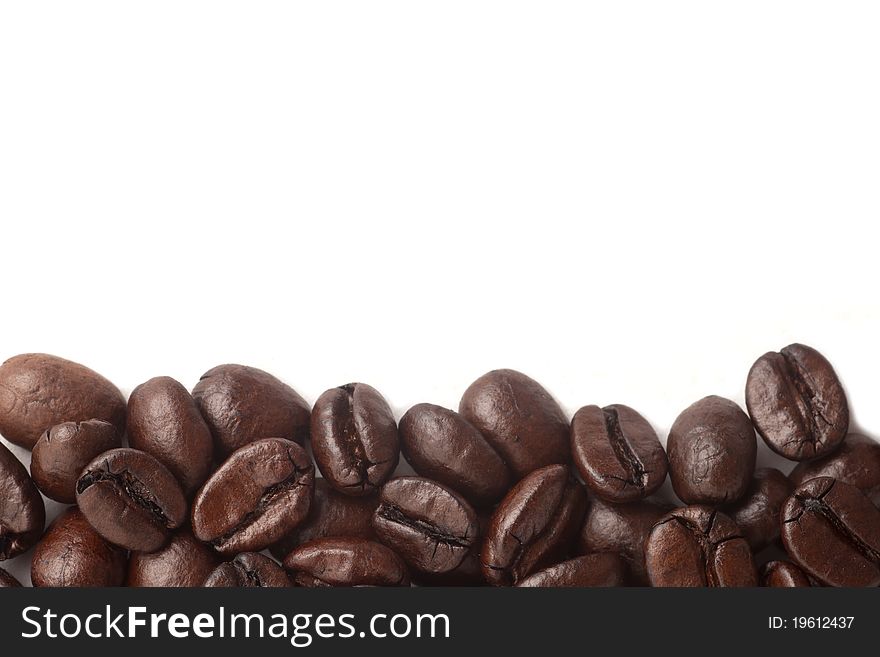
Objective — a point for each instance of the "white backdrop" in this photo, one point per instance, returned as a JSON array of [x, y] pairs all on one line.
[[629, 201]]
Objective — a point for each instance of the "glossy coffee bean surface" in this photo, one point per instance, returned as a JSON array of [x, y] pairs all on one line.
[[22, 512], [63, 452], [617, 453], [163, 421], [832, 531], [697, 546], [712, 451], [260, 494], [604, 569], [855, 462], [783, 574], [38, 391], [519, 419], [131, 499], [346, 562], [249, 570], [354, 438], [797, 402], [757, 512], [183, 562], [242, 404]]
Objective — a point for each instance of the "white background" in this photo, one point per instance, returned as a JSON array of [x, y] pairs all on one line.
[[629, 201]]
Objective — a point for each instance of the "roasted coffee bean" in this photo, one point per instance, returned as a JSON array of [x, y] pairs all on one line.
[[797, 403], [63, 452], [7, 580], [354, 438], [22, 512], [519, 419], [441, 445], [345, 562], [856, 462], [260, 494], [131, 499], [468, 573], [757, 512], [698, 546], [617, 453], [533, 525], [38, 391], [832, 531], [183, 562], [243, 404], [599, 569], [622, 529], [432, 527], [331, 514], [783, 574], [163, 421], [72, 553], [249, 570], [712, 450]]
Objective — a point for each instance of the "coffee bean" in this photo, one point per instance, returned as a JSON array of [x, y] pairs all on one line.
[[163, 421], [22, 512], [331, 514], [533, 525], [797, 403], [242, 404], [712, 451], [856, 462], [468, 573], [757, 512], [38, 391], [519, 419], [698, 546], [7, 580], [249, 570], [441, 445], [354, 438], [262, 492], [131, 499], [832, 531], [429, 525], [617, 453], [73, 554], [600, 569], [345, 562], [622, 529], [183, 562], [783, 574], [63, 452]]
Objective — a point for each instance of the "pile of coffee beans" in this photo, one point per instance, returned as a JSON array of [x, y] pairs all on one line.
[[181, 489]]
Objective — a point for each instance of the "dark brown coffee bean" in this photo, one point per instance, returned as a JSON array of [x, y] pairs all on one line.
[[519, 419], [856, 462], [38, 391], [441, 445], [797, 403], [7, 580], [617, 453], [698, 546], [183, 562], [73, 554], [22, 512], [262, 492], [243, 404], [468, 573], [345, 562], [622, 529], [783, 574], [600, 569], [163, 421], [430, 526], [533, 525], [832, 531], [131, 499], [331, 514], [249, 570], [712, 451], [354, 438], [63, 452], [757, 512]]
